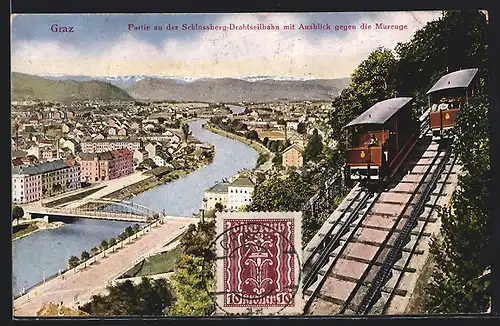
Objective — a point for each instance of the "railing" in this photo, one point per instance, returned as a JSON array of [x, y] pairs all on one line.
[[94, 259]]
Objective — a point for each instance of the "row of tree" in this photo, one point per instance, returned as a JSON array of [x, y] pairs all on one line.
[[74, 261]]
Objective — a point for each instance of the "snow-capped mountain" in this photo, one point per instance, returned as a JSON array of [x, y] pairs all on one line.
[[127, 81]]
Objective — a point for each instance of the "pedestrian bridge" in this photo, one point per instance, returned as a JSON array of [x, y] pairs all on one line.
[[104, 209]]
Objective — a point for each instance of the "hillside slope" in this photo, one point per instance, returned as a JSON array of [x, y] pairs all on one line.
[[26, 87], [237, 90]]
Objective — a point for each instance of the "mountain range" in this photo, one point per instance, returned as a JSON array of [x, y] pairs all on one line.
[[256, 88]]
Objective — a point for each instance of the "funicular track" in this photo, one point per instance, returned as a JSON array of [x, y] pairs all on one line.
[[380, 282], [341, 255]]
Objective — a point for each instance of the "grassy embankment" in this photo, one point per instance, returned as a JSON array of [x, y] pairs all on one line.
[[254, 144], [264, 153], [22, 230]]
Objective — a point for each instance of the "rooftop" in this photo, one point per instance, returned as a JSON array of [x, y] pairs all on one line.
[[294, 145], [113, 141], [41, 168], [380, 112], [242, 182], [219, 188], [458, 79]]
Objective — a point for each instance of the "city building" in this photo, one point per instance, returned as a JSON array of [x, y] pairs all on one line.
[[292, 156], [105, 166], [106, 145], [31, 183], [216, 194], [239, 193]]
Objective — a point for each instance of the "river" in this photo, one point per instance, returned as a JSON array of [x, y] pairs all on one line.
[[46, 252]]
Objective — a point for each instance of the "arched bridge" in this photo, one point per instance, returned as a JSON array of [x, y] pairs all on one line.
[[102, 208]]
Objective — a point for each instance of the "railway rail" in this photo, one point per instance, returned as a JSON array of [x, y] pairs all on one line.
[[429, 184], [372, 266]]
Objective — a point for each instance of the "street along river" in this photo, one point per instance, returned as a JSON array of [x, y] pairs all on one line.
[[45, 253]]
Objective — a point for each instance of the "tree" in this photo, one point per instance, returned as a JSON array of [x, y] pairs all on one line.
[[129, 231], [148, 298], [455, 41], [280, 193], [161, 120], [85, 256], [252, 134], [136, 228], [191, 283], [302, 128], [123, 236], [462, 251], [197, 240], [314, 147], [219, 207], [73, 261], [112, 242], [185, 131], [17, 213], [104, 245], [372, 81], [94, 251], [265, 141]]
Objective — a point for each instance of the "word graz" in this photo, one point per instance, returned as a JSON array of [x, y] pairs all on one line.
[[61, 29]]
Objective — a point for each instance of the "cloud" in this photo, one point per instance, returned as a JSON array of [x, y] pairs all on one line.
[[323, 54]]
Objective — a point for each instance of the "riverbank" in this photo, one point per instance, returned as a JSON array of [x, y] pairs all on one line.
[[261, 149], [154, 181], [35, 227]]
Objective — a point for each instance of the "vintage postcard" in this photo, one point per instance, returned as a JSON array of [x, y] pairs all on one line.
[[271, 164]]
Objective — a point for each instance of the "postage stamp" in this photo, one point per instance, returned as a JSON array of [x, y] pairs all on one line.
[[259, 262]]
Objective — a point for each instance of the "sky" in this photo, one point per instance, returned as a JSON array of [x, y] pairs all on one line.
[[103, 45]]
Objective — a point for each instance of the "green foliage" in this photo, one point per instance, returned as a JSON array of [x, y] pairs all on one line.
[[192, 282], [129, 231], [373, 81], [197, 241], [252, 134], [278, 160], [34, 87], [17, 212], [314, 147], [263, 157], [219, 207], [185, 131], [461, 252], [73, 261], [302, 128], [455, 41], [94, 251], [104, 245], [265, 141], [85, 255], [280, 193], [112, 242], [148, 298]]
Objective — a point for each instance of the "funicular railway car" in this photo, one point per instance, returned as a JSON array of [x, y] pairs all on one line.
[[383, 136], [447, 97]]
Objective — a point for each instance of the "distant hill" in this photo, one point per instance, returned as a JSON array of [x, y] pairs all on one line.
[[26, 87], [236, 90]]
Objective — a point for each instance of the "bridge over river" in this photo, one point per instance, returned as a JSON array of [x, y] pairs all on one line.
[[103, 208]]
